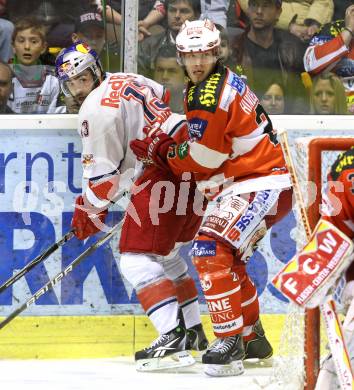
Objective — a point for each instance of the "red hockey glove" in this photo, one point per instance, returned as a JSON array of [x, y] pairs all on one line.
[[152, 131], [153, 149], [86, 218]]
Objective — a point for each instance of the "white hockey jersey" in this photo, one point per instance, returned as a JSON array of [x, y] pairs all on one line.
[[35, 90], [111, 116]]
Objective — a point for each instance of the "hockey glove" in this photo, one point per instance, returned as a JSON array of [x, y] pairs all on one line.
[[153, 149], [87, 219]]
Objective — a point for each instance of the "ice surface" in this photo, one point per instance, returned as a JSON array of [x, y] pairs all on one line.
[[119, 373]]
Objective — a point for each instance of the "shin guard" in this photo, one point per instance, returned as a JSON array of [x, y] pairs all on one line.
[[250, 308], [249, 300], [187, 296], [159, 302], [222, 288], [222, 291]]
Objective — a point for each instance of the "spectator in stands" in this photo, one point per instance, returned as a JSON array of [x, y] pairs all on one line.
[[151, 21], [5, 87], [332, 49], [35, 88], [265, 52], [215, 10], [168, 73], [89, 28], [6, 30], [301, 17], [273, 98], [225, 47], [151, 13], [225, 55], [57, 16], [327, 95], [178, 11], [339, 8]]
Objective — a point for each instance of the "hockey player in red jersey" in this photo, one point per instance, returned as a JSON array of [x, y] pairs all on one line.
[[114, 109], [332, 49], [338, 209], [325, 267], [234, 153], [339, 197]]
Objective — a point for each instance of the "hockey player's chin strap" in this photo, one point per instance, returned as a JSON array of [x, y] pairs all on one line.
[[96, 80]]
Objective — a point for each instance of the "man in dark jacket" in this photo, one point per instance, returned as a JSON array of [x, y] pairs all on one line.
[[265, 52], [5, 87], [178, 11]]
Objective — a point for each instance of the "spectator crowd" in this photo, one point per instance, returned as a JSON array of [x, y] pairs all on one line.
[[297, 55]]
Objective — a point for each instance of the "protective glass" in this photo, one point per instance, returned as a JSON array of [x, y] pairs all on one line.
[[204, 58]]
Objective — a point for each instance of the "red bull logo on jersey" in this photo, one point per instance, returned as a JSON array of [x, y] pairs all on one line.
[[115, 83], [87, 160]]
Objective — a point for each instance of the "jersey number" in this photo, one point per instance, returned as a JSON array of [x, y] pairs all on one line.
[[351, 178], [261, 118], [154, 109]]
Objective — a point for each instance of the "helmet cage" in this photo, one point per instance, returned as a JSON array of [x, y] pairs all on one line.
[[180, 60], [95, 75], [72, 61]]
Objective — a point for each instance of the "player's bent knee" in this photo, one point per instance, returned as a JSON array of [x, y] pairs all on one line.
[[210, 255], [175, 268], [139, 269]]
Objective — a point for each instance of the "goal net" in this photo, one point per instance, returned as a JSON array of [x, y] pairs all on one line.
[[303, 339]]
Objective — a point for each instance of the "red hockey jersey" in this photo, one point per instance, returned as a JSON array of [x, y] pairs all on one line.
[[231, 138], [338, 198]]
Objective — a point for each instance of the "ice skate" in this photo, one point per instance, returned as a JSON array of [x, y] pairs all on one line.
[[224, 357], [167, 351], [258, 351], [197, 343]]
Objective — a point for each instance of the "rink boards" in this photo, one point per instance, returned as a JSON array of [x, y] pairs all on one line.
[[61, 337], [93, 311]]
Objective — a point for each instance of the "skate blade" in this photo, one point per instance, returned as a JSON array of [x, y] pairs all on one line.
[[233, 369], [177, 360], [197, 355], [256, 362]]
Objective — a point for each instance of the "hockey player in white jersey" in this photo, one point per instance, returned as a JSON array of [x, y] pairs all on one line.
[[114, 110]]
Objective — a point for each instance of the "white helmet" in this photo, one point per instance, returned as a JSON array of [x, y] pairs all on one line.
[[198, 36]]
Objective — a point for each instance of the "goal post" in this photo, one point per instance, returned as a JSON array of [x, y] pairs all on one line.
[[313, 156], [318, 167]]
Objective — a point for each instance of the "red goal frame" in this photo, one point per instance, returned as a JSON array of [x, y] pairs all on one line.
[[312, 340]]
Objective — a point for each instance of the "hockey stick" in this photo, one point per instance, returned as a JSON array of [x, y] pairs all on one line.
[[49, 286], [9, 282], [43, 256], [333, 327]]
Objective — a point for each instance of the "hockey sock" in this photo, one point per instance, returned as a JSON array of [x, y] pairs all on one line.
[[250, 307], [159, 302], [187, 296]]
